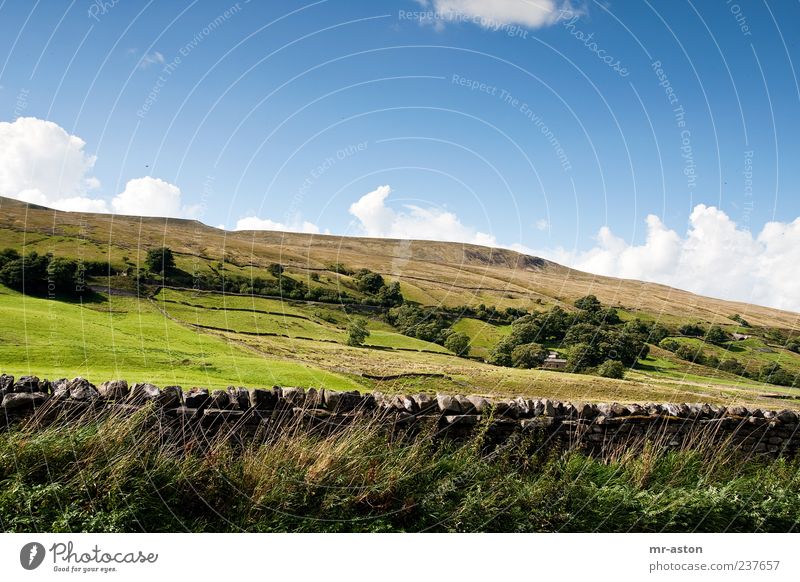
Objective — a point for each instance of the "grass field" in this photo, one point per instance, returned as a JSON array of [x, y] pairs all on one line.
[[212, 339], [130, 337], [89, 478]]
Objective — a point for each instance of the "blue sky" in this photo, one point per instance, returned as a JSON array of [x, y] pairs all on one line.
[[584, 132]]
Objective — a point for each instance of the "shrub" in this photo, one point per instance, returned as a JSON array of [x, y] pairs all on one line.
[[458, 343], [588, 303], [368, 282], [528, 356], [611, 369], [357, 332], [716, 335], [732, 366], [160, 260], [692, 330], [669, 344], [501, 352]]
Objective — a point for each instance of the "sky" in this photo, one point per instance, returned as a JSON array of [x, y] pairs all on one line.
[[653, 140]]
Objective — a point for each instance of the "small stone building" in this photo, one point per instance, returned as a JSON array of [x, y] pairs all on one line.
[[554, 361]]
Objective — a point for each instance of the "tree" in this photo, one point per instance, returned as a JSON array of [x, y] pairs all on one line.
[[501, 352], [716, 335], [160, 260], [8, 255], [357, 332], [275, 269], [739, 319], [626, 347], [582, 333], [669, 344], [458, 343], [390, 295], [692, 329], [732, 366], [689, 353], [528, 356], [63, 276], [611, 369], [588, 303], [582, 356], [368, 282]]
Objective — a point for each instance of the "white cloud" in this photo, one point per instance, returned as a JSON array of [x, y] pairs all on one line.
[[542, 224], [41, 163], [494, 14], [152, 197], [376, 219], [151, 59], [255, 223], [715, 257]]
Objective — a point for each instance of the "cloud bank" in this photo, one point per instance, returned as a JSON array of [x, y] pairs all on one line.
[[256, 223], [374, 218], [499, 13], [715, 257], [41, 163]]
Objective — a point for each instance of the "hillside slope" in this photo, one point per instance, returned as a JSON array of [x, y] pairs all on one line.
[[431, 272]]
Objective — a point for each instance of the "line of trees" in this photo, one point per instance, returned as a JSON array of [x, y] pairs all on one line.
[[592, 335], [46, 274]]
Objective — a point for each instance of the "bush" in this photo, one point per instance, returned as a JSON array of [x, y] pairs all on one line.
[[732, 366], [582, 356], [458, 343], [501, 352], [160, 260], [357, 332], [588, 303], [692, 330], [611, 369], [528, 356], [669, 344], [42, 274], [368, 282], [716, 335]]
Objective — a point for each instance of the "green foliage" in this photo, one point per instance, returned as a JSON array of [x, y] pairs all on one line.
[[611, 369], [275, 269], [528, 356], [692, 330], [669, 344], [357, 332], [426, 324], [389, 295], [501, 352], [37, 274], [732, 366], [716, 335], [339, 268], [689, 353], [458, 343], [136, 482], [160, 260], [368, 282], [739, 319], [582, 356], [588, 303], [773, 373]]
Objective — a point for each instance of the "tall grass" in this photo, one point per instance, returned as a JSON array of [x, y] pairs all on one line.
[[125, 473]]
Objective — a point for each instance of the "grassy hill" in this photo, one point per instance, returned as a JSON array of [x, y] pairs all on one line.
[[205, 338]]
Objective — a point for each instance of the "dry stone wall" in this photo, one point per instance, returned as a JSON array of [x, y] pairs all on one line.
[[243, 412]]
